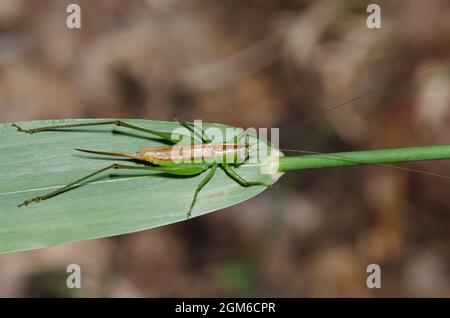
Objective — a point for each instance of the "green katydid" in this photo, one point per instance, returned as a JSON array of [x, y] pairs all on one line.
[[187, 160]]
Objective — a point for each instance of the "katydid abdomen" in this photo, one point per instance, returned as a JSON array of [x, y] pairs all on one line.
[[195, 153]]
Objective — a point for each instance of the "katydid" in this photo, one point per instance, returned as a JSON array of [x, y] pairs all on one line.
[[187, 160]]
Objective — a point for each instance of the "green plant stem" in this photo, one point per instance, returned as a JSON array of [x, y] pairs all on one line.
[[367, 157]]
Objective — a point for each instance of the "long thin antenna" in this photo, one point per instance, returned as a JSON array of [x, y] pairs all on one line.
[[392, 84]]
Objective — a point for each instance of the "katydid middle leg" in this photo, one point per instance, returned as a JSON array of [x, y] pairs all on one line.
[[236, 177], [200, 186]]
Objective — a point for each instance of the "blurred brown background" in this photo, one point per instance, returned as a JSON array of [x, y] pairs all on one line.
[[253, 63]]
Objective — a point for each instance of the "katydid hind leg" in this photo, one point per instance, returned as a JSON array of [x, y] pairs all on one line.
[[171, 170], [164, 135], [66, 187]]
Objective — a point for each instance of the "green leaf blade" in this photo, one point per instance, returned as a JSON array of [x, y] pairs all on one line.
[[110, 204]]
